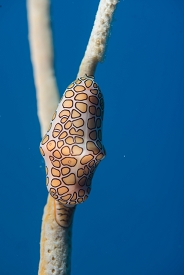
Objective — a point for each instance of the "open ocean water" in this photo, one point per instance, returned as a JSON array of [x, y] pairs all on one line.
[[133, 221]]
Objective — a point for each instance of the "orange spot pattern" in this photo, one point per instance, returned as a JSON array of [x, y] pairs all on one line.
[[72, 147]]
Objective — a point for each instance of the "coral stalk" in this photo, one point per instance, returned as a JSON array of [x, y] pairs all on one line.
[[55, 244], [42, 56], [98, 39]]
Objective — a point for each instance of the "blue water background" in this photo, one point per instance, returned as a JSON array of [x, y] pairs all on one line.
[[133, 222]]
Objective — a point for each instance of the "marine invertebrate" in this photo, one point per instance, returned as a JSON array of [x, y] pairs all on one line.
[[55, 244], [72, 147]]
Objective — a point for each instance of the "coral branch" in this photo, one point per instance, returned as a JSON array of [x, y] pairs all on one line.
[[55, 245], [98, 39], [40, 38]]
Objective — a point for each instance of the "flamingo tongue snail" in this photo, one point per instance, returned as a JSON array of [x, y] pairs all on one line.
[[72, 147]]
